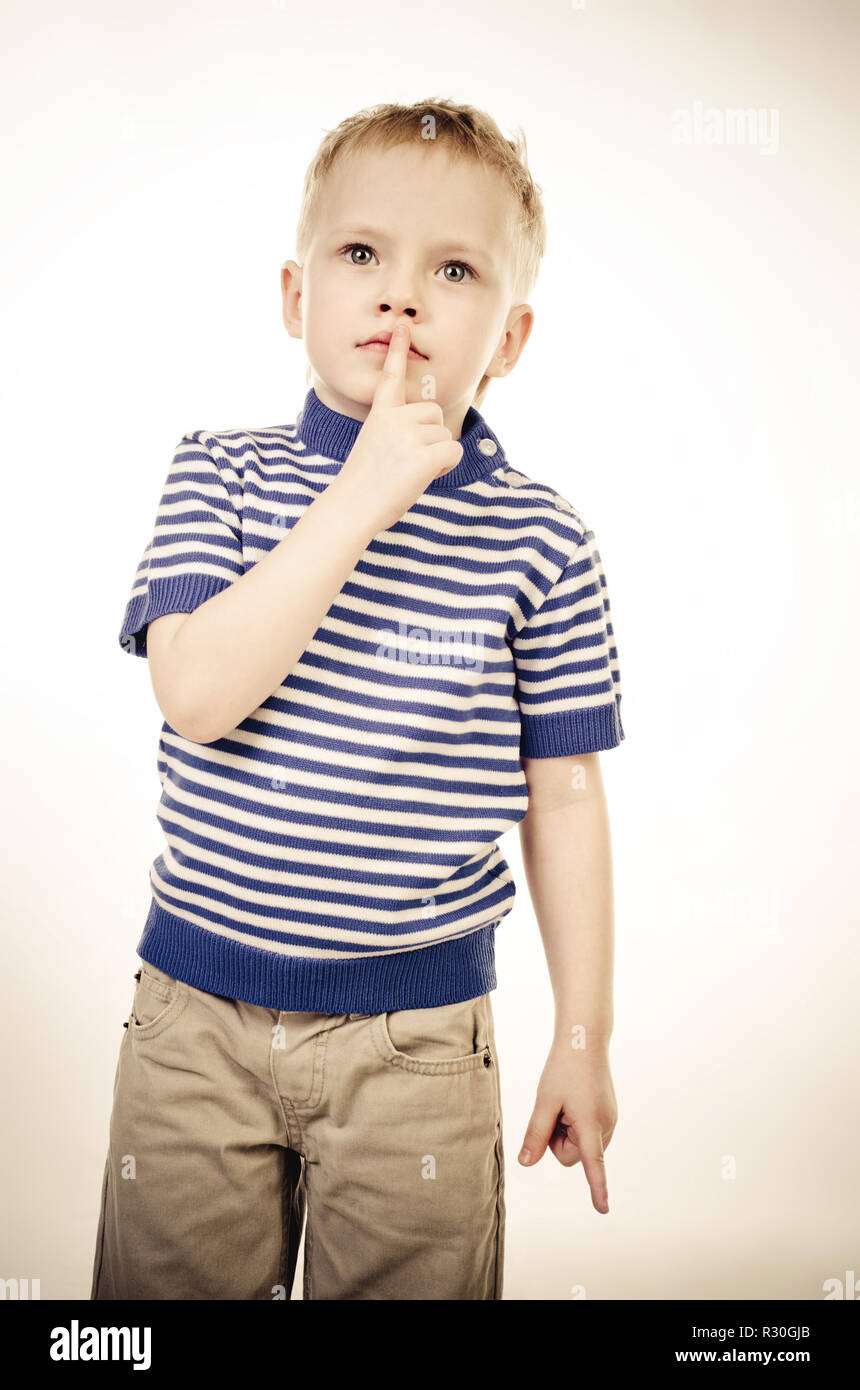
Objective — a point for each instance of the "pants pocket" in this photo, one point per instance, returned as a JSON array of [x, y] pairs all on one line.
[[159, 998], [448, 1037]]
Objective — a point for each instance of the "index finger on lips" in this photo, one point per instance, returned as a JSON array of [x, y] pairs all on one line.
[[391, 387]]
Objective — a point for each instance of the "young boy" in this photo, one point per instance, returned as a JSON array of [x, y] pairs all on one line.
[[377, 647]]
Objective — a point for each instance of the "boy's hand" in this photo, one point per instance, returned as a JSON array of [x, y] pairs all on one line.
[[575, 1114], [400, 448]]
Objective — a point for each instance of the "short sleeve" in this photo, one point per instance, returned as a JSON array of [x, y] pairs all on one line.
[[196, 545], [566, 660]]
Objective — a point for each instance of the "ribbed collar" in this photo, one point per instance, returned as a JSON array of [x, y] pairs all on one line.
[[326, 432]]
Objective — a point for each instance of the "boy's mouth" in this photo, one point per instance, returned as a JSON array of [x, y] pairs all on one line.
[[379, 343]]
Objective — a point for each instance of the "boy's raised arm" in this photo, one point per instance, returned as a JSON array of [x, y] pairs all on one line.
[[211, 668]]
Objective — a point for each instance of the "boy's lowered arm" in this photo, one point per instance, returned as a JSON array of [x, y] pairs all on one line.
[[567, 858]]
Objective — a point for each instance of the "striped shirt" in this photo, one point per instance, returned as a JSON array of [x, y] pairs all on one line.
[[338, 851]]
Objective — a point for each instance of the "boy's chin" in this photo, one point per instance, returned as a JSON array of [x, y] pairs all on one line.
[[362, 383], [351, 389]]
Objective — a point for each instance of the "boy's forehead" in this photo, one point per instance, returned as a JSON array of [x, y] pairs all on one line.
[[421, 191]]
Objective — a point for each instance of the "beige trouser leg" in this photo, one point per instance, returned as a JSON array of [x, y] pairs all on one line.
[[232, 1122]]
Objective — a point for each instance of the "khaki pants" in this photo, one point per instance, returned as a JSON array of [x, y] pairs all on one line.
[[232, 1123]]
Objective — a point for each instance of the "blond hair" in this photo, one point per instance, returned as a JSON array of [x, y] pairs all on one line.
[[467, 132]]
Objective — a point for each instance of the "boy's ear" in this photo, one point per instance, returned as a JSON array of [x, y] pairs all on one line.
[[518, 329], [291, 297]]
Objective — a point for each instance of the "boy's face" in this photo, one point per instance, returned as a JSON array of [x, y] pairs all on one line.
[[431, 241]]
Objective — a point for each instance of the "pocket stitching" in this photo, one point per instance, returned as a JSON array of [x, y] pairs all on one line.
[[435, 1066], [174, 1005], [157, 987]]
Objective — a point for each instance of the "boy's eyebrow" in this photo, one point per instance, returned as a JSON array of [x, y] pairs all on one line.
[[357, 231]]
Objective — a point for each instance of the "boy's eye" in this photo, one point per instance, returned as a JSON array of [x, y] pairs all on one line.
[[462, 266], [360, 246], [357, 247]]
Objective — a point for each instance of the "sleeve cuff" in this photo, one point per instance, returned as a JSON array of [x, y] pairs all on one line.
[[571, 732], [181, 594]]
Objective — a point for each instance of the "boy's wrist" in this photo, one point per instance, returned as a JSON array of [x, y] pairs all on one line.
[[579, 1037], [349, 508], [351, 502]]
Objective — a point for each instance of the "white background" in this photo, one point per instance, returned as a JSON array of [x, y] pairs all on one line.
[[690, 385]]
